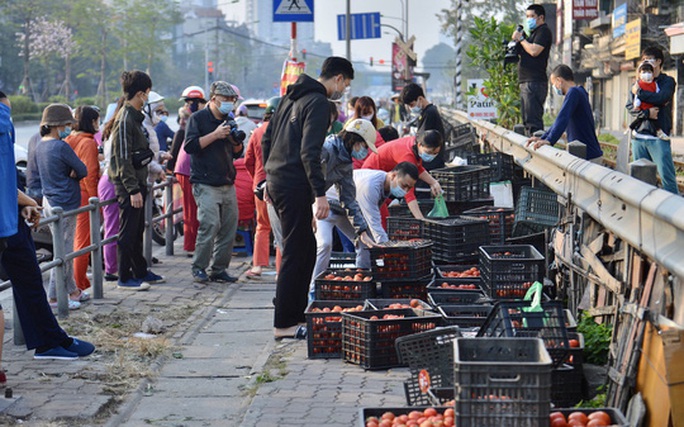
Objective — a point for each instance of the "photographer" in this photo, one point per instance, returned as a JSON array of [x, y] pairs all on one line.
[[534, 58], [213, 141]]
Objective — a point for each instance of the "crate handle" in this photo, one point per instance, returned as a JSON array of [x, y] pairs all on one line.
[[504, 380]]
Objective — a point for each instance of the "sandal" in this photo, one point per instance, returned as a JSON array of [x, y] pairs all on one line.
[[83, 296], [299, 334], [252, 275]]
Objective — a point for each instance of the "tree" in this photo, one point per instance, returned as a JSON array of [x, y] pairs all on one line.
[[439, 62]]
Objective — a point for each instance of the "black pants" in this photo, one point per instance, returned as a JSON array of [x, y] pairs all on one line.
[[35, 315], [299, 254], [532, 98], [129, 249]]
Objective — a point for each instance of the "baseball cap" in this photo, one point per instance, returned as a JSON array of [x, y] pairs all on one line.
[[364, 128]]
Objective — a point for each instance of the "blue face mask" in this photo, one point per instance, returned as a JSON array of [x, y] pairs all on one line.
[[397, 192], [531, 23], [360, 154], [226, 107], [427, 157], [64, 133], [416, 109]]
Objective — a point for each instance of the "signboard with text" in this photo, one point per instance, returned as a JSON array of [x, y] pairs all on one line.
[[399, 66], [293, 10], [291, 72], [585, 9], [361, 26], [480, 105], [619, 20], [633, 39]]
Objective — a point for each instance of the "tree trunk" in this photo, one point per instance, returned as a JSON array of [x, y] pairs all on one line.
[[67, 77], [102, 86], [26, 80]]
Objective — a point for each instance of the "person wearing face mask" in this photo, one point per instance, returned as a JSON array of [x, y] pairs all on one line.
[[355, 141], [161, 129], [365, 109], [575, 115], [429, 118], [83, 143], [154, 103], [60, 171], [642, 125], [534, 59], [413, 149], [212, 150], [130, 154], [292, 147]]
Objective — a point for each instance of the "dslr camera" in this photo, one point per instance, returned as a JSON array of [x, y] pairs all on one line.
[[237, 135], [512, 48]]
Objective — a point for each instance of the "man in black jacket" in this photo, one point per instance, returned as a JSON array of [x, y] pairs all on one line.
[[292, 158], [428, 119], [212, 149]]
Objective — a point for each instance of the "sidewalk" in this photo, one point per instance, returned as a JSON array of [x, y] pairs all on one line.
[[217, 365]]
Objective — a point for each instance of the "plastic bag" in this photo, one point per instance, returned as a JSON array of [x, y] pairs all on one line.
[[534, 293], [440, 209]]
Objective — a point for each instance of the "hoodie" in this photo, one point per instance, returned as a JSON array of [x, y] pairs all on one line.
[[293, 140]]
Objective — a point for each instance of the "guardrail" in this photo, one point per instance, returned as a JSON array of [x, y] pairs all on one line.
[[649, 219]]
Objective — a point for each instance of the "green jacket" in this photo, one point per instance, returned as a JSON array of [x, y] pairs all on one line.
[[128, 136]]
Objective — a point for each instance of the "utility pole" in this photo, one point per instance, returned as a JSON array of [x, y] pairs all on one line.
[[459, 54], [347, 31]]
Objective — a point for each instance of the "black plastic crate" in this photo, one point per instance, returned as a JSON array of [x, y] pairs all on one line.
[[404, 228], [457, 297], [538, 240], [473, 284], [386, 303], [566, 385], [462, 183], [413, 288], [370, 342], [500, 164], [465, 316], [502, 382], [456, 239], [511, 319], [345, 288], [575, 354], [433, 352], [509, 271], [500, 221], [366, 413], [324, 329], [341, 260], [617, 419], [536, 211], [457, 271], [397, 260]]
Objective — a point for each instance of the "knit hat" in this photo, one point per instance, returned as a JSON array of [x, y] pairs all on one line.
[[57, 115], [364, 128], [222, 88]]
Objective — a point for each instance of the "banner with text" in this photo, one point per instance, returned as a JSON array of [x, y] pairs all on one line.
[[399, 64], [633, 39], [585, 9], [291, 72], [480, 105]]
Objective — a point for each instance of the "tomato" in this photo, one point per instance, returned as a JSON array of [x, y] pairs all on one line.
[[555, 415], [576, 422], [580, 416], [559, 422], [598, 422], [429, 412], [600, 415], [574, 343]]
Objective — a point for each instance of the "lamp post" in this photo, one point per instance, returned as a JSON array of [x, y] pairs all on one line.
[[459, 54]]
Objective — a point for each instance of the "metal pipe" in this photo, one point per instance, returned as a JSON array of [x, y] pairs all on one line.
[[147, 235], [347, 31], [459, 55], [169, 216], [95, 240], [59, 257]]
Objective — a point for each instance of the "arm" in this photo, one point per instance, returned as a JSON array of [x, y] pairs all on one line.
[[532, 48], [314, 117], [561, 123], [92, 162], [194, 142], [413, 206], [667, 89], [347, 191], [77, 166], [250, 155], [431, 181], [122, 150], [369, 200]]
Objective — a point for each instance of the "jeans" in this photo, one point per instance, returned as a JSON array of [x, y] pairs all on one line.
[[217, 213], [660, 153], [68, 231], [532, 98]]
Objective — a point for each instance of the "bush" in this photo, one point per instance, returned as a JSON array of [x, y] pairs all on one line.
[[596, 339], [23, 105], [87, 100], [606, 137], [57, 99]]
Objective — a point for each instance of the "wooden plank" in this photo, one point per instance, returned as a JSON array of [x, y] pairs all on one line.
[[601, 271], [617, 256], [602, 311], [597, 244]]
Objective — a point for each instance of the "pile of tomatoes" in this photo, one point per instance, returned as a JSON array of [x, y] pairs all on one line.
[[464, 286], [471, 272], [336, 309], [428, 418], [580, 419], [513, 291], [414, 303], [348, 275]]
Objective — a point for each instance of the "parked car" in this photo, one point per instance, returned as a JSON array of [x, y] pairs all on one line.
[[256, 108]]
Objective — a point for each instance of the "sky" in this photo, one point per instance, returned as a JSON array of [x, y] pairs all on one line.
[[423, 23]]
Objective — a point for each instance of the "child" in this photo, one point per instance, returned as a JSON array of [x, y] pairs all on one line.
[[644, 125]]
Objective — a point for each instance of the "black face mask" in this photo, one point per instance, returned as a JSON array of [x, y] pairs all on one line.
[[194, 106]]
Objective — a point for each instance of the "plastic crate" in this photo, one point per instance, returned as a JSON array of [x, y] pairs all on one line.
[[566, 385], [462, 183], [370, 343], [446, 271], [508, 271], [404, 228], [324, 329], [500, 221], [510, 319], [342, 260], [456, 239], [414, 288], [432, 351], [538, 240], [465, 316], [365, 413], [327, 288], [575, 354], [401, 260], [457, 297], [384, 303], [473, 284], [536, 211], [617, 419], [570, 322], [500, 164], [502, 382]]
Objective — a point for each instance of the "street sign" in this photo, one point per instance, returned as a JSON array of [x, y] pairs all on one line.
[[362, 26], [293, 10], [407, 47], [619, 20]]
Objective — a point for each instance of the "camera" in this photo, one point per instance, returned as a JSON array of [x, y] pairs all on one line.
[[512, 48], [237, 135]]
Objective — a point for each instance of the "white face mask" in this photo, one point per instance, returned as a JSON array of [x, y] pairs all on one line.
[[368, 117], [646, 77]]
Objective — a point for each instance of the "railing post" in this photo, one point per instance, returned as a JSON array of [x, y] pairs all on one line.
[[147, 237], [96, 240], [59, 253], [577, 149], [519, 129], [18, 333], [169, 219], [644, 170]]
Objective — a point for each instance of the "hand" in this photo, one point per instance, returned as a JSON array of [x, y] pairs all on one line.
[[267, 198], [436, 188], [538, 143], [653, 113], [163, 155], [31, 214], [531, 140], [635, 88], [367, 240], [517, 36], [222, 132], [137, 200], [314, 225], [321, 207]]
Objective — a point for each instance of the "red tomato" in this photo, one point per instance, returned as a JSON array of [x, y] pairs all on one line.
[[558, 422], [580, 416]]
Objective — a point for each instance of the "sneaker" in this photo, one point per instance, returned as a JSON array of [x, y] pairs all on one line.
[[73, 305], [133, 285], [200, 276], [222, 277], [111, 277], [152, 278], [81, 348], [56, 353]]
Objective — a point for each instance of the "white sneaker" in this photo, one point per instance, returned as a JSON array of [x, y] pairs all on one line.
[[73, 305]]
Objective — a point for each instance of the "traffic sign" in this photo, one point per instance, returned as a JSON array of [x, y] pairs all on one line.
[[361, 26], [407, 47], [293, 10]]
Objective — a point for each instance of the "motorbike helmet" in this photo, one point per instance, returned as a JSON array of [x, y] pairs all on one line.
[[272, 104], [193, 92]]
